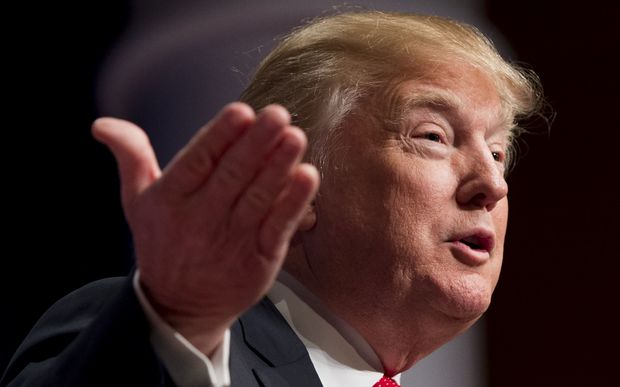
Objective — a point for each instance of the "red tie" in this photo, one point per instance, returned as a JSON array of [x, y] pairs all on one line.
[[386, 381]]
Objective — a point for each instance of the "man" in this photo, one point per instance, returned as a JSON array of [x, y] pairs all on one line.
[[409, 121]]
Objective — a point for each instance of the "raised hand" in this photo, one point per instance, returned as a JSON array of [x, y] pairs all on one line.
[[211, 231]]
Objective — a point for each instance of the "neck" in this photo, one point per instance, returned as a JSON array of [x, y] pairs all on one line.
[[352, 337], [400, 345], [400, 335]]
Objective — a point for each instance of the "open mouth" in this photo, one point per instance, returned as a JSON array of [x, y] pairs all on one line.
[[473, 242], [479, 241], [473, 248]]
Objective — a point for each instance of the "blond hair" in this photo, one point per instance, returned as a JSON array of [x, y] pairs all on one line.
[[322, 71]]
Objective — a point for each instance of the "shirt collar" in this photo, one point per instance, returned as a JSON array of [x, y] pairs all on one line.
[[341, 356]]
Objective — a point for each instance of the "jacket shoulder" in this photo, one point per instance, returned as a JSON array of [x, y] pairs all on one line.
[[94, 336]]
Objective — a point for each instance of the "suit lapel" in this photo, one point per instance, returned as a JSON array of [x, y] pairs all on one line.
[[287, 361], [270, 377]]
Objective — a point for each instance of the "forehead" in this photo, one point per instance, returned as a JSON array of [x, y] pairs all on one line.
[[463, 92]]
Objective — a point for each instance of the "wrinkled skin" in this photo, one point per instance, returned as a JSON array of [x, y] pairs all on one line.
[[380, 245], [384, 253], [212, 230]]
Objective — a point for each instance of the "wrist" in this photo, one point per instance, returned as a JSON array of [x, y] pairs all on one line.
[[205, 332]]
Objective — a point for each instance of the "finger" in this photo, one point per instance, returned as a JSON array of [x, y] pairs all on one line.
[[240, 164], [137, 164], [192, 166], [253, 205], [281, 223]]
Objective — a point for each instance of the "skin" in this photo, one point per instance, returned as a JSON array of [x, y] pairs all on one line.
[[381, 251], [212, 230]]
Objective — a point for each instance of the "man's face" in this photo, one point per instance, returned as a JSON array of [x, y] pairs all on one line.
[[412, 217]]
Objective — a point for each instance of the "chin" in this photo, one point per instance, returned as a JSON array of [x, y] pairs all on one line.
[[465, 298]]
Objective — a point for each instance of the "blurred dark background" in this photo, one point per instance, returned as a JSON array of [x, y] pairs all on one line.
[[554, 319]]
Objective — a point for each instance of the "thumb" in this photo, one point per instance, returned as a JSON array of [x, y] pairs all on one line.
[[137, 164]]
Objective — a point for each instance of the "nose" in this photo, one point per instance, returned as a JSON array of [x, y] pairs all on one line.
[[482, 184]]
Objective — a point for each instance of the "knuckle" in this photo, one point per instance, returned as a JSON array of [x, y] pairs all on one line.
[[258, 198], [200, 162], [231, 173]]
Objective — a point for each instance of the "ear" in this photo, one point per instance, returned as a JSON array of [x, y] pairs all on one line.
[[308, 219]]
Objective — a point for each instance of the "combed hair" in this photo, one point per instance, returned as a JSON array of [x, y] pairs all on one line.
[[323, 71]]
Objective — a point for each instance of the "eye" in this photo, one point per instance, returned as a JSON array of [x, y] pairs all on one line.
[[435, 137], [497, 156], [429, 134]]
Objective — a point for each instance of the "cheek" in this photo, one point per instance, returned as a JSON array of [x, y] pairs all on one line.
[[351, 209], [500, 218], [500, 222], [421, 197]]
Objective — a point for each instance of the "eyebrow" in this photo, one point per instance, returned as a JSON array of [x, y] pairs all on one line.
[[439, 100], [399, 105]]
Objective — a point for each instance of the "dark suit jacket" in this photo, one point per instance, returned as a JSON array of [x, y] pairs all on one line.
[[99, 336]]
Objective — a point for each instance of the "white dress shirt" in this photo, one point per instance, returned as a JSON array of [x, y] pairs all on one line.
[[339, 354]]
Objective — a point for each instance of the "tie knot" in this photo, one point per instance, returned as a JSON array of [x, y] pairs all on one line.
[[386, 381]]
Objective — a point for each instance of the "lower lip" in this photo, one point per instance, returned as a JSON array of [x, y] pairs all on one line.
[[467, 255]]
